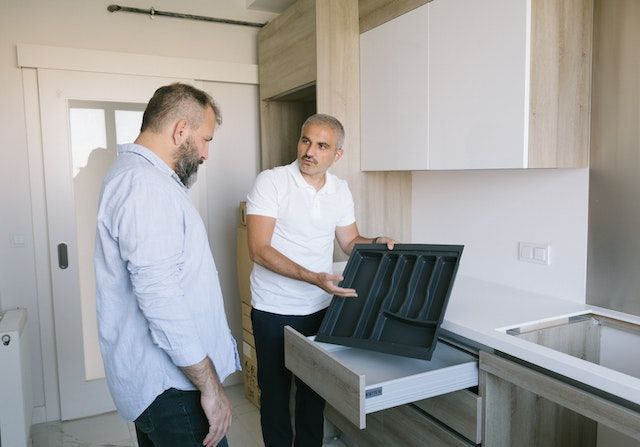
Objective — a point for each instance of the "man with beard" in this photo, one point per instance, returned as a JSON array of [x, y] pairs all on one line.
[[164, 337], [293, 214]]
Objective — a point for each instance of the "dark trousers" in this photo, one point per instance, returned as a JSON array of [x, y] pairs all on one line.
[[174, 419], [275, 383]]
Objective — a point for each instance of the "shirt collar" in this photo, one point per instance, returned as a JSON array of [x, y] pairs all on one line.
[[329, 182], [151, 157]]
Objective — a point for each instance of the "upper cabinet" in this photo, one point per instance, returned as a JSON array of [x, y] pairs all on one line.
[[466, 84]]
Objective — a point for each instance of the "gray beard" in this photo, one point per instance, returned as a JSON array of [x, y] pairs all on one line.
[[187, 164]]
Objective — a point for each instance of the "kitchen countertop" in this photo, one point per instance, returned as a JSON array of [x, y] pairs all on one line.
[[482, 311]]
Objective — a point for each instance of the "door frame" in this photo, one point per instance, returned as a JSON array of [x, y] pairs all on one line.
[[32, 57]]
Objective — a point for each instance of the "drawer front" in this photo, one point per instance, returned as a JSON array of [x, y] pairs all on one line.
[[460, 410], [401, 426], [357, 382]]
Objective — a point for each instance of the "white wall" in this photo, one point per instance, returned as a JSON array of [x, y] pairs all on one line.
[[489, 212], [85, 24]]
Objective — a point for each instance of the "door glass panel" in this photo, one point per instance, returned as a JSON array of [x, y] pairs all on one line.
[[87, 133], [127, 125], [95, 129]]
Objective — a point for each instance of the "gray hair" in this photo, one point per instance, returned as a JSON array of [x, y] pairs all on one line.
[[327, 120], [176, 101]]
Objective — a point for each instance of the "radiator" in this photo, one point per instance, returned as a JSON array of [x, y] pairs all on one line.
[[16, 404]]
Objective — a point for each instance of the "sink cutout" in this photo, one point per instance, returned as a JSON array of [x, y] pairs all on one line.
[[604, 341]]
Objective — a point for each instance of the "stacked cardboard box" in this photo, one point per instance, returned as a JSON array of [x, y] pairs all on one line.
[[244, 266]]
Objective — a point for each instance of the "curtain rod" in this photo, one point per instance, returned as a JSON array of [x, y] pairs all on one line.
[[155, 12]]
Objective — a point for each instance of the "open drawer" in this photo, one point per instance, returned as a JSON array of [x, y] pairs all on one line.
[[357, 382]]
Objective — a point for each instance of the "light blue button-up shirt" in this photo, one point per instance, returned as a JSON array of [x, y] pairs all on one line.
[[158, 296]]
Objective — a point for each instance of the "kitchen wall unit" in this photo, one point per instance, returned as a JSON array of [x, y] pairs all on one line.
[[489, 84], [309, 62]]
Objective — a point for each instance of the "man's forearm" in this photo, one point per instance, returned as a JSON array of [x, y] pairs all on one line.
[[204, 376], [270, 258]]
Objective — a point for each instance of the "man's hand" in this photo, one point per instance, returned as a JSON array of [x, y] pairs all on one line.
[[217, 408], [385, 240], [215, 404], [326, 281]]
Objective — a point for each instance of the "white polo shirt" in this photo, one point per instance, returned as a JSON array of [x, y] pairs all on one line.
[[306, 222]]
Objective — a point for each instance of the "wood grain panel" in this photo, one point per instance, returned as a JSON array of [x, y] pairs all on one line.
[[337, 384], [515, 416], [376, 12], [280, 123], [503, 385], [382, 199], [402, 426], [243, 265], [461, 411], [560, 95], [287, 50]]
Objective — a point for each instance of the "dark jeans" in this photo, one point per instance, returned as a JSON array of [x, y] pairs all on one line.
[[174, 419], [275, 382]]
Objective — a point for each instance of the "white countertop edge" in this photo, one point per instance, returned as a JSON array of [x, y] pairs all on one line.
[[613, 382], [482, 312]]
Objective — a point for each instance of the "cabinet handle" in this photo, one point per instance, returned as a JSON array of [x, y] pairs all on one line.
[[63, 259]]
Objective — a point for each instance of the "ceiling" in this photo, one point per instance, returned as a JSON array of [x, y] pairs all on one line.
[[269, 5]]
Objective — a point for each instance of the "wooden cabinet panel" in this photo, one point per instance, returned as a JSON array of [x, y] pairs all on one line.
[[460, 411], [402, 426], [523, 406], [287, 51]]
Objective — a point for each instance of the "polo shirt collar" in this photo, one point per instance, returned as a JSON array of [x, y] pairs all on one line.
[[329, 186]]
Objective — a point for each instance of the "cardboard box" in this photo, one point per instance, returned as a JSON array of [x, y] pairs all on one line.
[[243, 265], [243, 214], [250, 371], [248, 337]]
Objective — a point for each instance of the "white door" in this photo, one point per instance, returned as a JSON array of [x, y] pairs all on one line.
[[83, 116]]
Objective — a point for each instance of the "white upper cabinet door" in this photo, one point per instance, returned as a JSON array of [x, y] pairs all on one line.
[[394, 91], [479, 84]]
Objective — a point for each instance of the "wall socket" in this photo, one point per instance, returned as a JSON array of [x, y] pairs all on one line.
[[534, 253]]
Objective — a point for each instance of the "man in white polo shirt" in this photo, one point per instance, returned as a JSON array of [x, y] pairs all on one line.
[[293, 214]]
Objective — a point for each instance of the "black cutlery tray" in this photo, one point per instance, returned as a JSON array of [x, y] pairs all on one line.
[[402, 298]]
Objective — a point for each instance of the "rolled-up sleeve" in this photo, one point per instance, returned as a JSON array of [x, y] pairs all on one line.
[[151, 235]]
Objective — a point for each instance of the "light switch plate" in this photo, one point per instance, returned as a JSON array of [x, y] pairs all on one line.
[[534, 253]]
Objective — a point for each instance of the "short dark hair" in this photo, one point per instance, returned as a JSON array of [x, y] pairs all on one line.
[[327, 120], [177, 101]]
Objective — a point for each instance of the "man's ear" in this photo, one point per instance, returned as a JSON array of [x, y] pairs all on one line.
[[180, 132], [338, 154]]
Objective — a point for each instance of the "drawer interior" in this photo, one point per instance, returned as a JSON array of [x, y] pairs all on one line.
[[357, 382]]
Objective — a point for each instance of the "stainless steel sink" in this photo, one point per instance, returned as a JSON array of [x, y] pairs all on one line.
[[605, 341]]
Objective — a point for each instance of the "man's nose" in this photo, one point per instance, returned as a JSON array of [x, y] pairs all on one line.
[[310, 152]]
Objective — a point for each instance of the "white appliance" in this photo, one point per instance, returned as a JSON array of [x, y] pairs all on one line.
[[15, 381]]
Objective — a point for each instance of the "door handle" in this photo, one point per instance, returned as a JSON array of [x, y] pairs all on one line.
[[63, 259]]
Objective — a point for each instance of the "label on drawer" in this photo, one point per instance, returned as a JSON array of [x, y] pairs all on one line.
[[373, 392]]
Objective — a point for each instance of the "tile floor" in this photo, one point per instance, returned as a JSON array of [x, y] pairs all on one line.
[[110, 430]]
